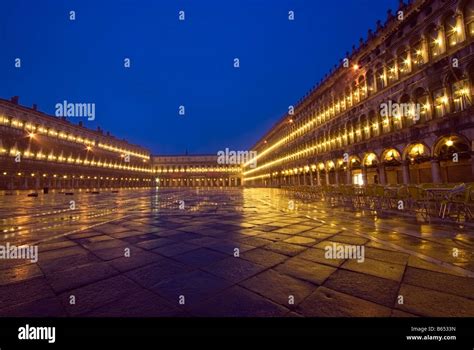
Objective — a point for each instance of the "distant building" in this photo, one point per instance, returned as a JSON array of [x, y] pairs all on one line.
[[195, 171], [399, 110], [38, 150]]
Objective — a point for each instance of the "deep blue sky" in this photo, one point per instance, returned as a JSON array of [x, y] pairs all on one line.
[[174, 63]]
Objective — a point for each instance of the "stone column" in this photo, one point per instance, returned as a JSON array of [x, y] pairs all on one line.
[[406, 172], [311, 180], [328, 182], [318, 177], [364, 175], [436, 171], [382, 174], [336, 176], [472, 160]]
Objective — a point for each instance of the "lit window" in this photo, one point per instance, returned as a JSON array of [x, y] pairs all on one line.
[[469, 17], [440, 103], [461, 95]]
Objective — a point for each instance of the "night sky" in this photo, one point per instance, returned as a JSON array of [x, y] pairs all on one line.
[[177, 63]]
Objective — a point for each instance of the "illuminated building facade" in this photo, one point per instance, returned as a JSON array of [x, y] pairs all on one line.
[[347, 129], [38, 151], [195, 171]]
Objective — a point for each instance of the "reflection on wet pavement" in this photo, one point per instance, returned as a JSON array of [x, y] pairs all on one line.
[[226, 252]]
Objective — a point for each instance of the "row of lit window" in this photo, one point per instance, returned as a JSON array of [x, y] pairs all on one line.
[[388, 74], [179, 180], [32, 129], [81, 177], [199, 170], [70, 160], [415, 151], [391, 72], [325, 144]]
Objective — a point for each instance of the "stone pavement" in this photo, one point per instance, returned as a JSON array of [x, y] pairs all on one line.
[[225, 252]]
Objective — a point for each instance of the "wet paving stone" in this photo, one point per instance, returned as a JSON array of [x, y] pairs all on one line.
[[19, 273], [230, 248], [239, 302], [116, 252], [234, 269], [281, 254], [133, 306], [461, 286], [55, 245], [255, 241], [195, 286], [371, 288], [135, 260], [200, 257], [427, 302], [349, 239], [285, 248], [175, 249], [305, 241], [98, 294], [19, 293], [264, 257], [325, 302], [306, 270], [319, 256], [155, 243], [78, 276], [280, 288], [48, 307], [50, 266], [386, 255], [376, 268], [157, 272], [416, 262]]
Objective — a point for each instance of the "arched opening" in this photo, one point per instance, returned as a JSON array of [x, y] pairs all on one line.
[[370, 163], [422, 102], [403, 61], [348, 97], [435, 42], [355, 171], [391, 70], [469, 18], [440, 103], [365, 127], [452, 29], [391, 160], [454, 154], [331, 170], [355, 93], [458, 84], [362, 88], [374, 123], [380, 78], [411, 111], [418, 156], [418, 52], [370, 82]]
